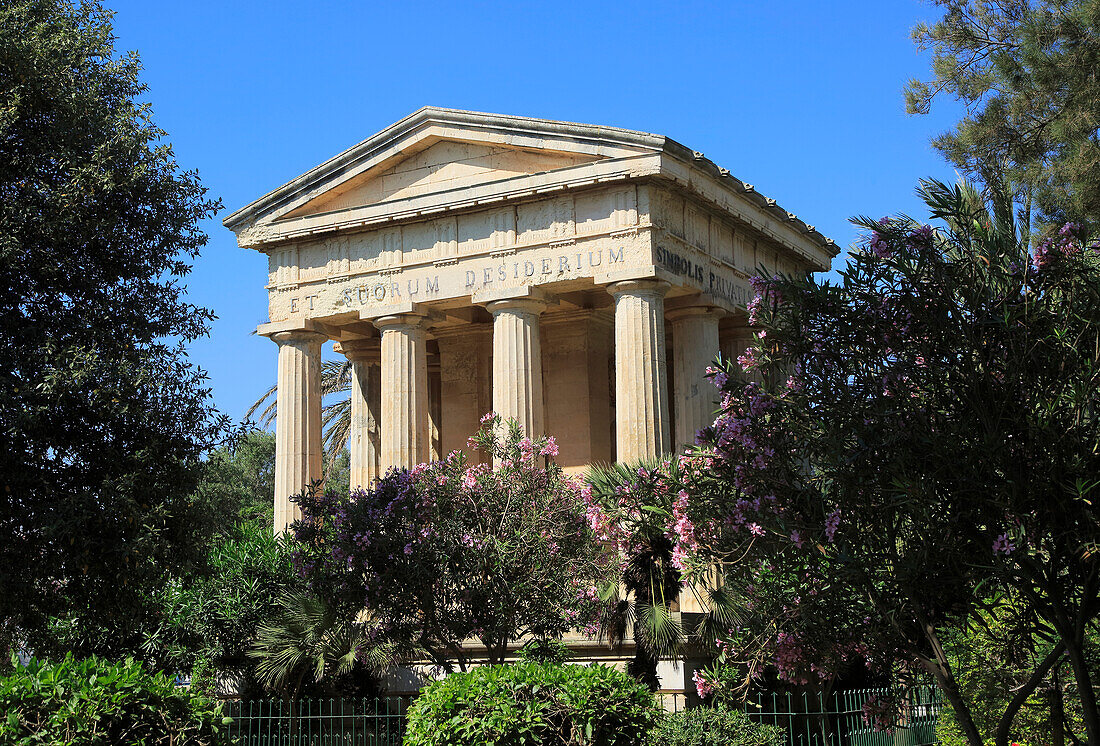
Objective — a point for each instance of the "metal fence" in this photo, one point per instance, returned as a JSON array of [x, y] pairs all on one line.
[[836, 719], [839, 719], [318, 722]]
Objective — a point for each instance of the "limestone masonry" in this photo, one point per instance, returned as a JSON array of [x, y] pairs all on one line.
[[577, 278]]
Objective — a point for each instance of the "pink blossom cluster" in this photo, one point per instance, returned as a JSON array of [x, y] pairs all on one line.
[[880, 713], [1066, 243], [703, 686], [1003, 545]]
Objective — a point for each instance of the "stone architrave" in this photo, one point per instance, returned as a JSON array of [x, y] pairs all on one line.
[[366, 401], [405, 433], [517, 362], [694, 348], [297, 420], [641, 381]]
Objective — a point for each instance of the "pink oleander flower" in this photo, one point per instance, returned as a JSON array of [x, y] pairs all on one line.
[[1003, 546], [487, 416], [749, 360], [832, 523], [550, 447], [702, 687]]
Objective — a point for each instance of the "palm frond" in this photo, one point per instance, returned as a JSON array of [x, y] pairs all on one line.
[[662, 633]]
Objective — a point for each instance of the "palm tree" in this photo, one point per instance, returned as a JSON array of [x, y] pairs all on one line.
[[642, 597], [335, 416], [308, 641]]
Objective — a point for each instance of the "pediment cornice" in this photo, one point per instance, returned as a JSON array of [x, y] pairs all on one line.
[[599, 154]]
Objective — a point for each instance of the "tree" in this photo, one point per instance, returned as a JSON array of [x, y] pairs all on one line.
[[238, 481], [452, 551], [922, 451], [1026, 72], [105, 421]]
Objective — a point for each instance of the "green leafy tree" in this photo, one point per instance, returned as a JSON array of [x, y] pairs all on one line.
[[104, 420], [238, 481], [921, 451], [1026, 72]]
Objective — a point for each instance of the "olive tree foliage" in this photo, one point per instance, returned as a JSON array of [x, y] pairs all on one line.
[[919, 457], [104, 420], [1026, 72]]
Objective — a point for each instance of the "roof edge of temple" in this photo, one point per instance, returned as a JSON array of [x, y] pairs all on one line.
[[598, 134], [443, 116]]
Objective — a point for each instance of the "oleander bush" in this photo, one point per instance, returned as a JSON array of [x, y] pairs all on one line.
[[94, 702], [713, 726], [533, 703]]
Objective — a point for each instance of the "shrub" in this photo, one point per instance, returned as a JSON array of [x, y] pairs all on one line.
[[533, 703], [101, 703], [713, 726]]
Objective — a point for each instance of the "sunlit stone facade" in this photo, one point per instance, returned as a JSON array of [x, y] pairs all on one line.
[[577, 278]]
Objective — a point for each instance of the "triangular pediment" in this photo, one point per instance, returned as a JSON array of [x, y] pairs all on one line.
[[440, 167], [435, 151]]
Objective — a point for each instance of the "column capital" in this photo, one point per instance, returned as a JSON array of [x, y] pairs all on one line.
[[360, 350], [284, 331], [522, 305], [400, 321], [493, 296], [651, 287], [297, 336], [687, 312]]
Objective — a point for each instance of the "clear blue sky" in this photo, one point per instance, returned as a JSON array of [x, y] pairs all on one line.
[[802, 99]]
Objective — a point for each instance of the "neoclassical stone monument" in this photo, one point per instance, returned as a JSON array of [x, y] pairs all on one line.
[[576, 278]]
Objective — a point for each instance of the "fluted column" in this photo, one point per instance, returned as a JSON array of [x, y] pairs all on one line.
[[641, 385], [517, 362], [366, 401], [405, 435], [297, 420], [694, 347]]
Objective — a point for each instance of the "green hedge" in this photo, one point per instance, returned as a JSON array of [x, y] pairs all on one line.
[[533, 703], [93, 702], [713, 726]]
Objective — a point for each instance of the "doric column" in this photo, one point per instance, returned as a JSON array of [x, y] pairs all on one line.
[[641, 386], [297, 420], [694, 348], [465, 354], [517, 362], [405, 435], [366, 401]]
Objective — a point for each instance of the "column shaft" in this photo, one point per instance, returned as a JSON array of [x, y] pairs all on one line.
[[517, 363], [297, 421], [465, 391], [363, 438], [641, 385], [694, 347], [404, 418]]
